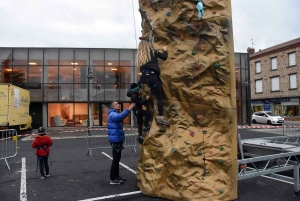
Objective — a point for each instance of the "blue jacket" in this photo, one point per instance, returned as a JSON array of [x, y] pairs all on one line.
[[115, 125]]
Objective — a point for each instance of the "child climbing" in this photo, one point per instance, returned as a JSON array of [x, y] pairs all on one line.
[[146, 60], [138, 109], [41, 143]]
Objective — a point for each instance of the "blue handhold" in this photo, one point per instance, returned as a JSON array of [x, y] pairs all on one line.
[[168, 14], [199, 7], [174, 150]]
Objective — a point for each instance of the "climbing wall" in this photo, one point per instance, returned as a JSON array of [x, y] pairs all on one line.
[[194, 158]]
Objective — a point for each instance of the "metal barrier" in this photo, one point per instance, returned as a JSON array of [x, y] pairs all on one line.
[[8, 144], [290, 130], [97, 138]]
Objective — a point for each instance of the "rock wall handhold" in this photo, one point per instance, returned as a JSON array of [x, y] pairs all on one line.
[[222, 149], [179, 72], [174, 150], [199, 152], [182, 38], [200, 117], [204, 132], [169, 134], [217, 65], [194, 52], [168, 13], [221, 161], [192, 133], [202, 47], [199, 7]]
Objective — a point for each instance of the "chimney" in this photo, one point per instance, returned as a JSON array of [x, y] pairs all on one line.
[[250, 50]]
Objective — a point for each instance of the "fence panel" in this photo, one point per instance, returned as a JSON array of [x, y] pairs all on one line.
[[97, 138], [290, 130], [8, 145]]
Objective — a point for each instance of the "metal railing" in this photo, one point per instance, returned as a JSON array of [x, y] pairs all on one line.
[[97, 138], [291, 130], [8, 145]]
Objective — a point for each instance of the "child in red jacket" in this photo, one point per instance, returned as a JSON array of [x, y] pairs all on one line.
[[42, 142]]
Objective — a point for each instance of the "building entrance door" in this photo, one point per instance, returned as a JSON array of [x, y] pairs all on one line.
[[278, 109], [36, 112]]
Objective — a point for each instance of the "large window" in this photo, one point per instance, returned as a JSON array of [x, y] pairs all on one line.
[[274, 63], [67, 114], [275, 84], [257, 67], [258, 86], [292, 59], [293, 81]]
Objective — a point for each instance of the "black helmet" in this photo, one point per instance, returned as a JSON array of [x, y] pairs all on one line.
[[41, 130]]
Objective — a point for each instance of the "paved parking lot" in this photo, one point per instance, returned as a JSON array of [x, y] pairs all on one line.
[[77, 176]]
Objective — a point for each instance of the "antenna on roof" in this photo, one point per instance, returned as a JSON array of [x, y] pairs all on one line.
[[252, 43]]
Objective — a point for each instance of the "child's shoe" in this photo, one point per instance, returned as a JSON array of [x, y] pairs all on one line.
[[147, 128], [162, 120], [140, 139], [43, 177]]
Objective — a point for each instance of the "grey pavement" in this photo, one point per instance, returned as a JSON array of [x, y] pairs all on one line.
[[77, 176]]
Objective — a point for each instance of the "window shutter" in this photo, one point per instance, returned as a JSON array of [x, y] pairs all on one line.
[[293, 81], [274, 63], [257, 67], [258, 86], [275, 84], [292, 59]]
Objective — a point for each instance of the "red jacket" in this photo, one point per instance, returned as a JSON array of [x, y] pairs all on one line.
[[42, 144]]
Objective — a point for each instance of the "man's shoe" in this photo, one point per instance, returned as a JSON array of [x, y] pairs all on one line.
[[116, 182], [140, 139], [47, 175], [146, 129], [121, 178], [42, 177]]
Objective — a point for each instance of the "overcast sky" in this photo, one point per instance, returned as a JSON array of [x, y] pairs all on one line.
[[110, 24]]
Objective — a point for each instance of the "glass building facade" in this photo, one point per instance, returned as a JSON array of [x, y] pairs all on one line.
[[243, 93], [58, 84]]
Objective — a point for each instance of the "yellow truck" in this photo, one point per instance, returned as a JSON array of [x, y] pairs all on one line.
[[14, 107]]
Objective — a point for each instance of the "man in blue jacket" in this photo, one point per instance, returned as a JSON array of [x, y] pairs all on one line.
[[116, 138]]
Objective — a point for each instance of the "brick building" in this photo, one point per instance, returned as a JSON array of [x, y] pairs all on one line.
[[275, 79]]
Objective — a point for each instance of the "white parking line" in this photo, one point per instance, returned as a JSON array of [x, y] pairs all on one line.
[[112, 196], [23, 194], [128, 168], [115, 195]]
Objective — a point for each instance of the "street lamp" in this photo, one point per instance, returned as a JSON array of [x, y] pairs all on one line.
[[89, 77]]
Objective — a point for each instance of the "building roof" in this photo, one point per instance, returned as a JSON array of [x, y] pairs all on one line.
[[289, 44]]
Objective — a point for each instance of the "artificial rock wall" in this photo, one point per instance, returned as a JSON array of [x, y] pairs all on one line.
[[195, 157]]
